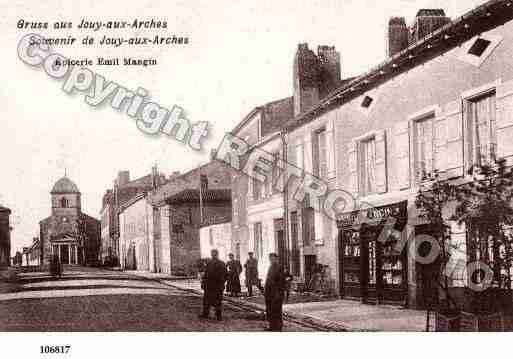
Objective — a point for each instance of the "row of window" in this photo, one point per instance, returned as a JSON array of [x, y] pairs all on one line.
[[261, 190], [426, 145]]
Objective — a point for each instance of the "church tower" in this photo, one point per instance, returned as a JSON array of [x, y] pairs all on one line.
[[66, 199]]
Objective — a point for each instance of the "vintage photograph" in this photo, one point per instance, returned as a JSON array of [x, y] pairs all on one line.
[[306, 166]]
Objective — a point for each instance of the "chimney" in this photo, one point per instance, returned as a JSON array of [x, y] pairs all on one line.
[[123, 178], [330, 77], [213, 154], [306, 78], [426, 22], [397, 39], [154, 177], [204, 183]]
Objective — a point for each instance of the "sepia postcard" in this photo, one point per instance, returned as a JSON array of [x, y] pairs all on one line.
[[301, 166]]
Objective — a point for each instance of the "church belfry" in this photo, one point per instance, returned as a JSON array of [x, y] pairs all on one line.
[[65, 198]]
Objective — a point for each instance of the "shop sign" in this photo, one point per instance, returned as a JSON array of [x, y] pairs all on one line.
[[373, 215]]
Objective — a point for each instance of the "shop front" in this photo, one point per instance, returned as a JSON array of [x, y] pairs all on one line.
[[373, 264]]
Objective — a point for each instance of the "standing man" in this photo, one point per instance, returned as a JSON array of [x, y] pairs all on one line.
[[251, 267], [234, 270], [213, 285], [274, 292]]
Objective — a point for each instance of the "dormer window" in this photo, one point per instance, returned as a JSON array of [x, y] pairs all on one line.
[[367, 102], [477, 50], [479, 47]]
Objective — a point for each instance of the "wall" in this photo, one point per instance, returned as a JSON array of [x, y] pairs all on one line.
[[5, 237], [134, 232], [264, 211], [325, 244], [440, 85], [217, 236]]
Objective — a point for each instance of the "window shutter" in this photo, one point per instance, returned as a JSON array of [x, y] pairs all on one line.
[[381, 162], [315, 154], [330, 149], [291, 155], [453, 117], [440, 144], [307, 153], [318, 228], [323, 154], [300, 157], [402, 154], [505, 121], [352, 168]]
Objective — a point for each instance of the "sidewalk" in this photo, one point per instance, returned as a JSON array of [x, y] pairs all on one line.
[[335, 315]]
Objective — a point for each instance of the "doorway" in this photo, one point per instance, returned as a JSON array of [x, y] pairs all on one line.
[[65, 259], [429, 273], [370, 270], [310, 267]]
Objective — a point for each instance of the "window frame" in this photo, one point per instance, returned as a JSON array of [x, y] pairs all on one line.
[[468, 98], [318, 168], [258, 245], [362, 165], [430, 113]]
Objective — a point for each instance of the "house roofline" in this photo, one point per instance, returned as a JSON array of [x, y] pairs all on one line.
[[426, 49]]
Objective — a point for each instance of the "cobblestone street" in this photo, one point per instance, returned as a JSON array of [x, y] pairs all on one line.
[[86, 299]]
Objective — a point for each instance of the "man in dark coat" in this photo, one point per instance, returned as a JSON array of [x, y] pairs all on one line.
[[251, 273], [213, 285], [274, 292], [234, 270]]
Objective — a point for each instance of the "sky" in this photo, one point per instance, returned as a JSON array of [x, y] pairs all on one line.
[[239, 56]]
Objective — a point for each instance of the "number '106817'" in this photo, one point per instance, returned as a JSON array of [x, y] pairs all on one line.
[[55, 349]]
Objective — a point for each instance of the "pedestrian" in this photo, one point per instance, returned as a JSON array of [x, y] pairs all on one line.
[[251, 267], [288, 284], [234, 270], [213, 285], [274, 292]]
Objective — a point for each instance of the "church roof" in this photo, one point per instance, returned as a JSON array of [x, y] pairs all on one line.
[[65, 185]]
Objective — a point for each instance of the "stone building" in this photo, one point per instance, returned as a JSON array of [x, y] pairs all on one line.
[[69, 233], [441, 101], [184, 215], [160, 228], [260, 208], [5, 237], [180, 208]]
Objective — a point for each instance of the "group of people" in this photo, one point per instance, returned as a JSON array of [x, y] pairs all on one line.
[[217, 274]]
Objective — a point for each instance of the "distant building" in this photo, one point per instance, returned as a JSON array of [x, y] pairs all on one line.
[[123, 191], [69, 233], [17, 260], [160, 229], [5, 237], [218, 235], [34, 253]]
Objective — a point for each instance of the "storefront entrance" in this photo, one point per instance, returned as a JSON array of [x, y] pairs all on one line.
[[373, 269]]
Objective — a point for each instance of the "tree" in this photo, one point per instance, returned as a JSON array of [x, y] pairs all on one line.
[[432, 200], [484, 206]]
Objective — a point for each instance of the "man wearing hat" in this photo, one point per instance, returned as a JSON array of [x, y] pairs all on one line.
[[213, 285], [274, 291], [251, 272]]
